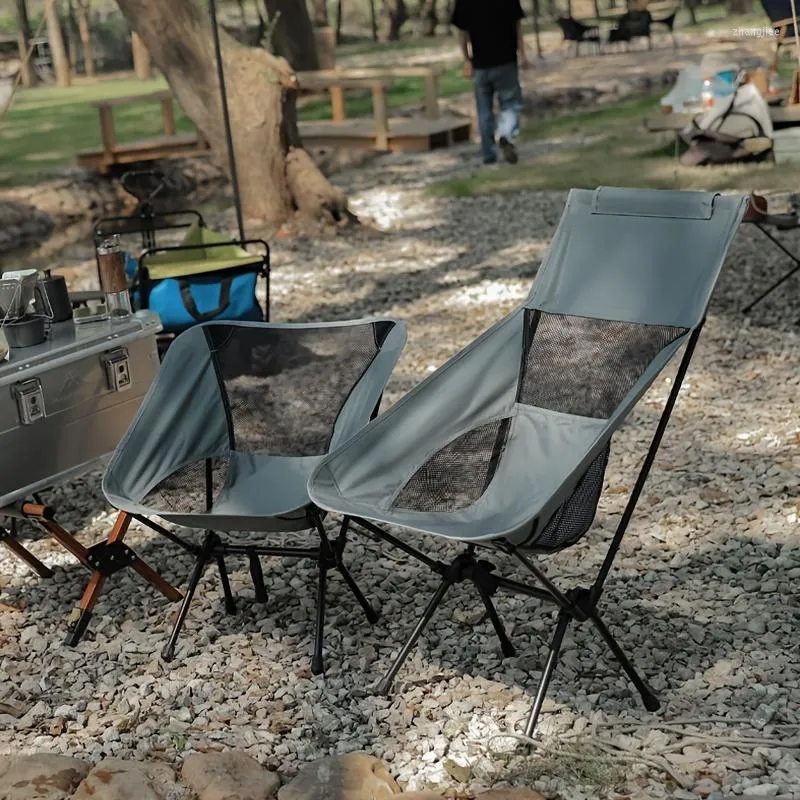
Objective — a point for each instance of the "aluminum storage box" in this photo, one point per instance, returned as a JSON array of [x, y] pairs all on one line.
[[65, 404]]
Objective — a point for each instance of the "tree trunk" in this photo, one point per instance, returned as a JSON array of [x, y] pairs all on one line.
[[373, 20], [276, 177], [294, 35], [320, 19], [428, 17], [141, 58], [86, 37], [23, 40], [395, 16], [57, 49], [339, 19], [692, 6]]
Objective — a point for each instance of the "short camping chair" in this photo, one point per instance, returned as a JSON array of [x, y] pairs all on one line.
[[237, 418], [505, 446], [634, 24], [208, 276], [575, 31]]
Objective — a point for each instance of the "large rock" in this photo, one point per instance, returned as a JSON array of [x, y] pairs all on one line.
[[228, 776], [114, 779], [40, 777], [354, 776]]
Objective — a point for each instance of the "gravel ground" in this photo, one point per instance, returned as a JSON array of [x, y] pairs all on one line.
[[703, 594]]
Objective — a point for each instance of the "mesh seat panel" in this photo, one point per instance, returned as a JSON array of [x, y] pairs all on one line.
[[575, 515], [584, 366], [458, 474], [284, 388], [184, 491]]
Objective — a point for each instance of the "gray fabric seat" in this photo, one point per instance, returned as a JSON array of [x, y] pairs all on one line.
[[506, 445], [237, 419]]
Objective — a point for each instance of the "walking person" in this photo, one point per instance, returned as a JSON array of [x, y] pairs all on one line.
[[490, 34]]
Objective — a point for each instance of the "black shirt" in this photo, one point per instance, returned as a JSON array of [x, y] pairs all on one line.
[[492, 28]]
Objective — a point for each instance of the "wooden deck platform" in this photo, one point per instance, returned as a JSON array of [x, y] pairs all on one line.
[[402, 134]]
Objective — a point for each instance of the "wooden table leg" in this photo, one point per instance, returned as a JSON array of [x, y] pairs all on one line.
[[9, 541], [107, 133], [82, 613], [168, 113], [338, 111], [431, 97], [380, 116]]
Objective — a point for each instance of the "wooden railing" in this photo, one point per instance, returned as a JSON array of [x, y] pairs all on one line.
[[337, 81]]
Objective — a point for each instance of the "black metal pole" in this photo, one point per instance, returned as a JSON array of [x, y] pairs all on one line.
[[212, 7]]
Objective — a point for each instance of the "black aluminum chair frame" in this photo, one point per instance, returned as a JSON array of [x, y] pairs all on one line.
[[762, 226], [328, 555], [578, 604]]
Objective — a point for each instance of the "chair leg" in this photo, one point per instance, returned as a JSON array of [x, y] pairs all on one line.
[[435, 601], [317, 663], [649, 699], [230, 602], [505, 643], [257, 576], [564, 619], [8, 539], [203, 557]]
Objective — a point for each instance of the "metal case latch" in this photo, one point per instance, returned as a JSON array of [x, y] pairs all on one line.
[[30, 401], [118, 369]]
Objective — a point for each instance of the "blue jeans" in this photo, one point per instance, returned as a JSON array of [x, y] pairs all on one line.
[[502, 81]]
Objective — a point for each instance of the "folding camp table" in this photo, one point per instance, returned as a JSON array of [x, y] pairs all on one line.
[[64, 406], [780, 223]]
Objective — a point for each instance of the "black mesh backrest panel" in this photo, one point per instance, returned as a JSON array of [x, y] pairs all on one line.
[[584, 366], [284, 388], [192, 489], [458, 474], [576, 514]]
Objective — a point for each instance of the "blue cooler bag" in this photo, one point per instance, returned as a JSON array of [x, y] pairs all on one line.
[[198, 283]]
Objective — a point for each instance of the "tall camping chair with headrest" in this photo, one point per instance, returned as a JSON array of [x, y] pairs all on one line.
[[505, 446]]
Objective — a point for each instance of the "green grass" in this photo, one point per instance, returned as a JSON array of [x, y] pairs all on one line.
[[46, 127], [625, 154]]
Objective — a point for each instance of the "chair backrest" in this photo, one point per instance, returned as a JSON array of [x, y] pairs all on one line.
[[515, 429], [255, 389]]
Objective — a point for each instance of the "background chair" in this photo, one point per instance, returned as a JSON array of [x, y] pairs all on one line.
[[236, 420], [577, 32], [634, 24], [505, 446]]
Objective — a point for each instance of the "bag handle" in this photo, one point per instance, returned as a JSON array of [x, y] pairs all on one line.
[[191, 306]]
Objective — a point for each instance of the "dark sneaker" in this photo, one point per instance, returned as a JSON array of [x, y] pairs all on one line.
[[509, 151], [491, 160]]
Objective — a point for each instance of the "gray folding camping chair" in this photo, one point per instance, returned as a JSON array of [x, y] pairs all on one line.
[[237, 418], [505, 446]]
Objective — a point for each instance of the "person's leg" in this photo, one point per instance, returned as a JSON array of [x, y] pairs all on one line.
[[509, 95], [484, 101]]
